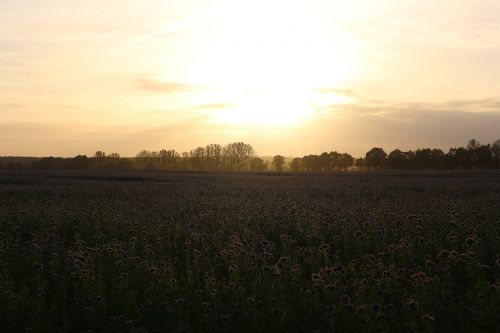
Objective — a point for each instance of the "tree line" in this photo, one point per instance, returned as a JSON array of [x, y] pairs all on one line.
[[474, 156], [241, 157]]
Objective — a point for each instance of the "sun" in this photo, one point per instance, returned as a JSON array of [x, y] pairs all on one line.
[[267, 60], [265, 108]]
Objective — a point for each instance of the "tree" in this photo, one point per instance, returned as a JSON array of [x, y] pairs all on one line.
[[360, 162], [213, 157], [473, 144], [311, 163], [472, 148], [423, 159], [99, 154], [169, 159], [145, 160], [345, 161], [375, 158], [325, 161], [197, 157], [237, 156], [257, 164], [397, 160], [278, 163], [495, 149], [296, 165], [78, 162], [458, 158]]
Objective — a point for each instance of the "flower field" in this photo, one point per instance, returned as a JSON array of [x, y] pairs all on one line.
[[212, 252]]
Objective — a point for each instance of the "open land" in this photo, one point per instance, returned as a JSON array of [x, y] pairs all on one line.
[[338, 252]]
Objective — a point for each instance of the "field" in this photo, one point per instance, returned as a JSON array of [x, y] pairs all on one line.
[[202, 252]]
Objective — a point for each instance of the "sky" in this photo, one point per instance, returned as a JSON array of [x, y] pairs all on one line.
[[290, 77]]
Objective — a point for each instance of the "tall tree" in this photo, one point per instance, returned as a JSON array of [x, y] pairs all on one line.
[[296, 165], [213, 157], [345, 161], [257, 164], [278, 163], [397, 160], [495, 149], [375, 158], [237, 156]]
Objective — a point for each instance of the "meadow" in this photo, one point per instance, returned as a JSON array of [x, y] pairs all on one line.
[[96, 251]]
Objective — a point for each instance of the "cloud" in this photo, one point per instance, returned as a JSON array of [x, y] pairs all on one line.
[[19, 50], [367, 123], [12, 106], [164, 87], [214, 106], [471, 25], [337, 91], [364, 106], [172, 28]]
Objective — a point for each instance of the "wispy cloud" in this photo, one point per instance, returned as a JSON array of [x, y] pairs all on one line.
[[18, 50], [372, 107], [11, 106], [164, 87], [215, 106], [337, 91], [172, 28], [461, 25]]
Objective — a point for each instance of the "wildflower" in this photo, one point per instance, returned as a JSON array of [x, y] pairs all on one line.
[[452, 237], [323, 248], [443, 254], [430, 264], [283, 260], [275, 270], [427, 318], [359, 235], [99, 300], [484, 267], [359, 309], [265, 255], [411, 304], [471, 240]]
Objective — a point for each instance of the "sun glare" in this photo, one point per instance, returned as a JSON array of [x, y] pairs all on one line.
[[267, 60], [265, 108]]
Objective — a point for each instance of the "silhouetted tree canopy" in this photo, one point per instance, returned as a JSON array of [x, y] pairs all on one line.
[[375, 158], [278, 163], [257, 164], [239, 156], [296, 165]]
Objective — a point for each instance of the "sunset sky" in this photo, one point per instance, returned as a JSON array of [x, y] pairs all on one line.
[[292, 77]]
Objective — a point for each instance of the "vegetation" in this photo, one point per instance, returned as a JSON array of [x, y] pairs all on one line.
[[241, 157], [212, 252]]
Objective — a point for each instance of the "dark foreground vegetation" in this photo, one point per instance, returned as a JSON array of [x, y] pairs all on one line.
[[167, 252], [241, 157]]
